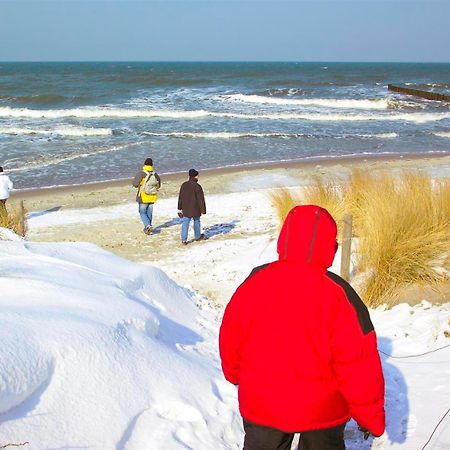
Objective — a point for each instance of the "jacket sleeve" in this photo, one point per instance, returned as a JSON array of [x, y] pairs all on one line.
[[10, 184], [230, 338], [201, 200], [357, 365], [159, 180], [180, 202], [137, 179]]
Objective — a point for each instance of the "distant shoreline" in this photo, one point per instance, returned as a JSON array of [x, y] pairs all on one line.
[[175, 176]]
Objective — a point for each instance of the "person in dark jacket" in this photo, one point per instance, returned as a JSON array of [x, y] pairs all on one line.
[[191, 205], [299, 343], [147, 200]]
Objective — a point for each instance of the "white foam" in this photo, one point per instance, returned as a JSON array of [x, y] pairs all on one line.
[[53, 161], [92, 113], [324, 117], [99, 112], [229, 135], [321, 102], [225, 135], [378, 136], [69, 131], [444, 134]]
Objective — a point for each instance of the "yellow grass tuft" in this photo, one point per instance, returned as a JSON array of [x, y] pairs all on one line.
[[404, 234], [4, 219], [15, 219], [328, 195], [284, 200], [402, 223]]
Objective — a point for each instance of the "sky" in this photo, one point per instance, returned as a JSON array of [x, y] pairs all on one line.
[[225, 30]]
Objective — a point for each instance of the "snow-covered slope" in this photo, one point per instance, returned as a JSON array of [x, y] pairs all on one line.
[[98, 352]]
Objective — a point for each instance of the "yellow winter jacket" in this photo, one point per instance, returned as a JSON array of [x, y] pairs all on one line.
[[146, 198]]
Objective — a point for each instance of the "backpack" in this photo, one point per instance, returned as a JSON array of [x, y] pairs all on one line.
[[150, 184]]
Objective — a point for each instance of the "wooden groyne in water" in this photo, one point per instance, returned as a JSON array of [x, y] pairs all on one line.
[[419, 93]]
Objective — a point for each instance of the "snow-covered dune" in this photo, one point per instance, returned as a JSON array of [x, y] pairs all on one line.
[[97, 352]]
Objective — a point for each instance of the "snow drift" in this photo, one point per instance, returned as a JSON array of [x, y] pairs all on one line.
[[99, 352]]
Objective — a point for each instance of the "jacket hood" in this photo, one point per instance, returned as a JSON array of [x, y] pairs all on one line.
[[308, 236], [147, 168]]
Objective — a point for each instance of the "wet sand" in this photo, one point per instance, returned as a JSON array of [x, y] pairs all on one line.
[[215, 181]]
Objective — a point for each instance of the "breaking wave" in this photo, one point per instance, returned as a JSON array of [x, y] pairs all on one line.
[[226, 135], [69, 131], [46, 161], [320, 102], [378, 136], [444, 134], [231, 135], [98, 113], [104, 112]]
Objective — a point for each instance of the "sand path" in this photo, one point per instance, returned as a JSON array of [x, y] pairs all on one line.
[[241, 224]]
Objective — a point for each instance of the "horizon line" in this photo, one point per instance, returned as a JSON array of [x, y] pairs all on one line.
[[222, 61]]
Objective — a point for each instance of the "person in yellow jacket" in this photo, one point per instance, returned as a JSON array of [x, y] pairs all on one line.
[[147, 182]]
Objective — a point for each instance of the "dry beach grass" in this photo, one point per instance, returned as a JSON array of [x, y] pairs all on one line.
[[401, 221], [14, 218]]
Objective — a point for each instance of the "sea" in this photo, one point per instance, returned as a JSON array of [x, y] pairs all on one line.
[[75, 123]]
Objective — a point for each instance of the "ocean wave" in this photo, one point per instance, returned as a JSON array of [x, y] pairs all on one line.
[[46, 161], [378, 135], [429, 85], [225, 135], [444, 134], [231, 135], [335, 117], [69, 131], [45, 99], [320, 102], [100, 112]]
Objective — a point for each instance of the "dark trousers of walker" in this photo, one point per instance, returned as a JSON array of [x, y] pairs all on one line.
[[258, 437]]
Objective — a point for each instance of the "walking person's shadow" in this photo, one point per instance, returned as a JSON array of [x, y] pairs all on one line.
[[396, 397], [168, 224], [396, 405]]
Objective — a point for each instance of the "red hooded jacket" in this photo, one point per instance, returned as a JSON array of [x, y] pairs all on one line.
[[299, 341]]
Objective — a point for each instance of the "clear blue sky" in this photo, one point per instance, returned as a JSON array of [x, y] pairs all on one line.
[[214, 30]]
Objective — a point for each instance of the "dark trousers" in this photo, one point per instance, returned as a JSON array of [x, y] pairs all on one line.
[[258, 437]]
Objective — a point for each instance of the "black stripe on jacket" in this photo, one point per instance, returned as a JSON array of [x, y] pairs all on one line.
[[354, 299]]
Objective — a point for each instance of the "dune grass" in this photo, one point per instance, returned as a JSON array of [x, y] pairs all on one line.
[[402, 223], [14, 218], [284, 200], [327, 195]]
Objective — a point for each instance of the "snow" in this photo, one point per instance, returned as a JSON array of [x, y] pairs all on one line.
[[101, 352]]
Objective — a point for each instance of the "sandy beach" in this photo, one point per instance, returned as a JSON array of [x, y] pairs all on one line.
[[239, 218]]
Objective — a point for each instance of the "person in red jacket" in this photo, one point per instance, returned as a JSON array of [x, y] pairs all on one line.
[[300, 345]]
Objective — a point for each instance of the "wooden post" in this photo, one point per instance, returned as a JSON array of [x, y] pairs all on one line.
[[346, 247], [21, 216]]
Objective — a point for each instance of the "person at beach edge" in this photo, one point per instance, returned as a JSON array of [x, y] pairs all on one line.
[[147, 177], [300, 345], [191, 205], [6, 186]]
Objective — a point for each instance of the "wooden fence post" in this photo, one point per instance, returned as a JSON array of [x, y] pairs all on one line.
[[346, 247], [21, 216]]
